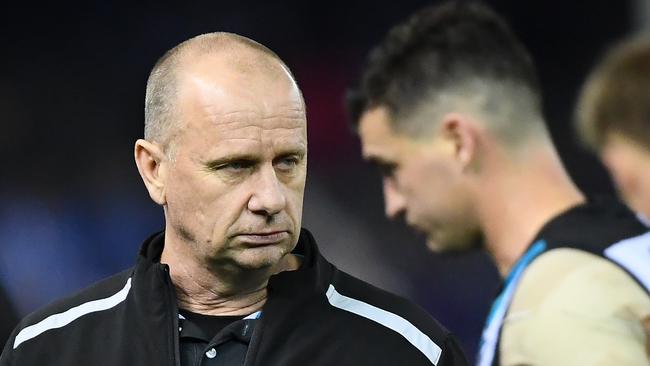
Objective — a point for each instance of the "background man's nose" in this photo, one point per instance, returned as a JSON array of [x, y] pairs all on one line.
[[394, 201]]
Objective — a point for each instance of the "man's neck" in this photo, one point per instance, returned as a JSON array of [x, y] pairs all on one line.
[[519, 200], [207, 289]]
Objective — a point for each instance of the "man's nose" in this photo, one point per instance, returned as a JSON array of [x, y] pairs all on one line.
[[393, 200], [268, 196]]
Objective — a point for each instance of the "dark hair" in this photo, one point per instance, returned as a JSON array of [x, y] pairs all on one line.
[[439, 47]]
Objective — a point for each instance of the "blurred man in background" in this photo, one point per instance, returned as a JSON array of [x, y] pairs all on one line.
[[449, 107], [613, 118], [233, 279]]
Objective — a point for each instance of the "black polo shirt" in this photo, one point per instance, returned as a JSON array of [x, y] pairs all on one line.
[[214, 340]]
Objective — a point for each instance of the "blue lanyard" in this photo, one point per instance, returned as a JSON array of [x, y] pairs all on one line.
[[255, 315], [490, 336]]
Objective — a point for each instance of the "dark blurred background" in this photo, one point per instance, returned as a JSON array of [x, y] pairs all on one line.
[[71, 106]]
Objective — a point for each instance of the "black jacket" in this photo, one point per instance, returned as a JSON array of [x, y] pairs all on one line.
[[316, 315], [8, 317]]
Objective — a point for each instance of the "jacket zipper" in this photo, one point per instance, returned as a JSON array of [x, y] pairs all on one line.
[[171, 297]]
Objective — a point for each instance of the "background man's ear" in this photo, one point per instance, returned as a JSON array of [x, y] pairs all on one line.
[[149, 158], [462, 132]]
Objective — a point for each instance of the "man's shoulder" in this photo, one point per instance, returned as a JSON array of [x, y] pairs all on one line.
[[568, 278], [102, 289], [354, 294], [567, 295], [605, 228], [99, 296], [396, 322], [368, 302]]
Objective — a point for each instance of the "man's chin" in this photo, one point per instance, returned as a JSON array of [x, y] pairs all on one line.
[[260, 257], [436, 246], [439, 245]]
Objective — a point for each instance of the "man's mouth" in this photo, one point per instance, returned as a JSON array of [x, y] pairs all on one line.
[[414, 226], [263, 238]]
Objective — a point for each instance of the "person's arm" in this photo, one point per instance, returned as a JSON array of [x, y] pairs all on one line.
[[574, 308]]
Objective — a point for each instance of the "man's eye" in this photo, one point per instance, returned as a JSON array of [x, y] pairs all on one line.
[[287, 163], [235, 165], [386, 169]]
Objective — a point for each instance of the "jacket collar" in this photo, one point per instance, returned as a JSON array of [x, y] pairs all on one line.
[[289, 293], [314, 272], [152, 248]]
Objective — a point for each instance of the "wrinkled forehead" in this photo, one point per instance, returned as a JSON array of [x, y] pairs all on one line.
[[284, 125]]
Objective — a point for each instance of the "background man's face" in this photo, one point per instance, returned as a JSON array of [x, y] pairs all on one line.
[[623, 158], [235, 188], [421, 182]]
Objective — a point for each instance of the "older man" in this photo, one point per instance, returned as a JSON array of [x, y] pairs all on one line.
[[233, 280], [450, 108]]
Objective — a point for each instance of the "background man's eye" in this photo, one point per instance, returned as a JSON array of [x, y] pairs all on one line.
[[386, 170]]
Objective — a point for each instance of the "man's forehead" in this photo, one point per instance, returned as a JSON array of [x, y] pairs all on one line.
[[257, 129], [246, 128], [378, 139], [239, 100], [254, 87], [255, 140], [245, 140]]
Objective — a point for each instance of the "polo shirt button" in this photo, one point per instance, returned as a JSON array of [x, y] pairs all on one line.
[[212, 353]]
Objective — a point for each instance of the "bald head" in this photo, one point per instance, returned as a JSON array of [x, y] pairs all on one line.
[[230, 54]]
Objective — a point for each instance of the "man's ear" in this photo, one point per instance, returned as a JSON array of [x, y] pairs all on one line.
[[149, 157], [462, 132]]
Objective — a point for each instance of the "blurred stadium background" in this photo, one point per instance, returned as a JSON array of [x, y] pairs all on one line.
[[71, 102]]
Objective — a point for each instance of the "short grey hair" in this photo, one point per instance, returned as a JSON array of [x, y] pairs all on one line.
[[162, 84]]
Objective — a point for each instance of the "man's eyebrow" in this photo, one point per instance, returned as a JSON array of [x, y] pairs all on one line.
[[385, 167], [213, 163], [299, 151], [376, 160]]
